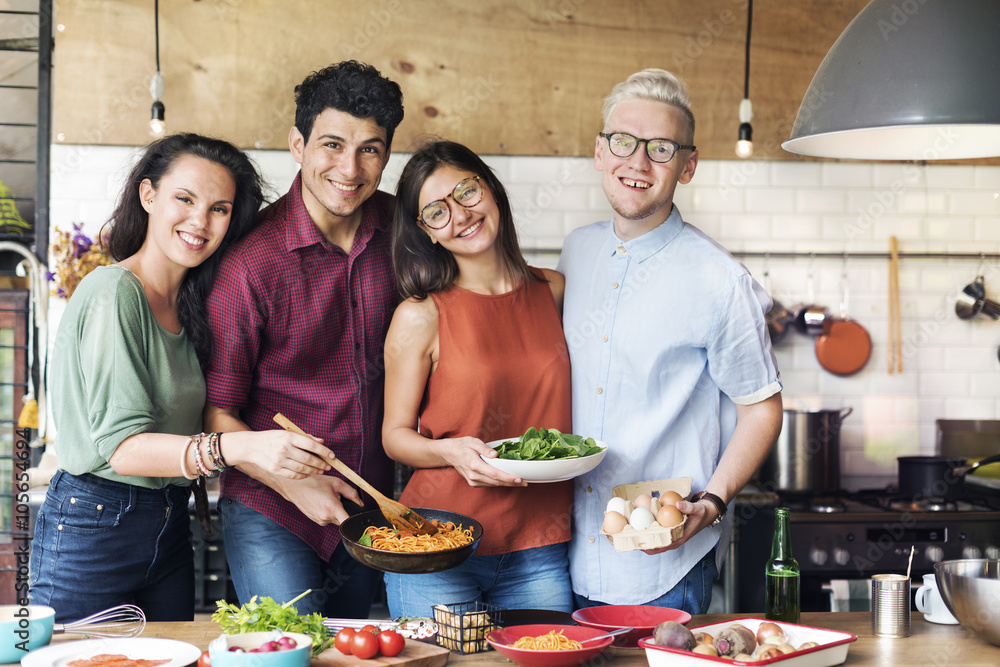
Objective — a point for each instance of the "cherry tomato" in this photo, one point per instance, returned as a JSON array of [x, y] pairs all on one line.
[[343, 640], [364, 645], [390, 643], [369, 628], [205, 660]]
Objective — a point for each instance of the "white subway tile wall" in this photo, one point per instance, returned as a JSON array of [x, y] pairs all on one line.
[[950, 366]]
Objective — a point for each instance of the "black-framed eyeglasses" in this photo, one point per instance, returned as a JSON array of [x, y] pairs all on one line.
[[437, 214], [623, 144]]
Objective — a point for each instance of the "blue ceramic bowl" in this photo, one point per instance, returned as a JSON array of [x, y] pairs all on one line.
[[23, 629], [297, 657]]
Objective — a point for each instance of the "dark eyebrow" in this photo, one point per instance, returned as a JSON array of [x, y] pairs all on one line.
[[373, 140]]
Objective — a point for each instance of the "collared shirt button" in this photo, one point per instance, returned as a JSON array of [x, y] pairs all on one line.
[[615, 285], [604, 339], [589, 539], [600, 390]]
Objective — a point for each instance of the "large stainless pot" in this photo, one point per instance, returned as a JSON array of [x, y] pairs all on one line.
[[806, 456]]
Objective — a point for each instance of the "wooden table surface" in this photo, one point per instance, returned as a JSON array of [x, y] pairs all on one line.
[[929, 644]]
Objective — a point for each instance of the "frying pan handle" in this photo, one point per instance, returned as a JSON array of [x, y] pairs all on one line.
[[845, 411], [991, 308]]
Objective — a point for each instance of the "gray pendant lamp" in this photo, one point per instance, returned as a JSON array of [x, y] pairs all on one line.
[[907, 80]]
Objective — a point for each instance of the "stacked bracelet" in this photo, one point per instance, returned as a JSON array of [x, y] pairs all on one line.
[[184, 465], [198, 461], [215, 452]]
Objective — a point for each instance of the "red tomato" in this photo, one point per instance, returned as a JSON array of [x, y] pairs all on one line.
[[369, 628], [390, 643], [205, 660], [364, 645], [343, 640]]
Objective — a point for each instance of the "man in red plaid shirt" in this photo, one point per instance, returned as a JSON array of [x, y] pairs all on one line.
[[299, 312]]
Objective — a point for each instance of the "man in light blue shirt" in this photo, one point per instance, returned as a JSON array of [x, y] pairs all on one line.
[[672, 363]]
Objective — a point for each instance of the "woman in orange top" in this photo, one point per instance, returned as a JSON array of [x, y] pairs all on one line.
[[475, 353]]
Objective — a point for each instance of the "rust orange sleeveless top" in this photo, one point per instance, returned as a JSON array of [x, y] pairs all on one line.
[[502, 367]]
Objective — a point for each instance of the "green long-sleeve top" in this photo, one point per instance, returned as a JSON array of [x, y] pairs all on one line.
[[116, 372]]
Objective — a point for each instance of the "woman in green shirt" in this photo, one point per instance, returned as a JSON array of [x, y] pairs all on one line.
[[128, 392]]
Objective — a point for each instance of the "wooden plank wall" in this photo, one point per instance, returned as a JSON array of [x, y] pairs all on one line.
[[505, 77]]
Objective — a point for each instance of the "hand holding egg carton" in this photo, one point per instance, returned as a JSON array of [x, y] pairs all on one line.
[[643, 515]]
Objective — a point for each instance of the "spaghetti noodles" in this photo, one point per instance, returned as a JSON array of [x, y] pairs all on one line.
[[449, 536], [554, 640]]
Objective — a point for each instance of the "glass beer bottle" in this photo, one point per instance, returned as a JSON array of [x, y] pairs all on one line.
[[781, 589]]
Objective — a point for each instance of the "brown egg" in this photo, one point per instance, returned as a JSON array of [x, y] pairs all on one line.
[[614, 522], [670, 498], [669, 516], [642, 500]]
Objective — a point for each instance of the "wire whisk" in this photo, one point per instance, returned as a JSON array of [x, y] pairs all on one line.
[[125, 620]]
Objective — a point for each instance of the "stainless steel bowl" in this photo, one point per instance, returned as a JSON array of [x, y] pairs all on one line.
[[971, 590]]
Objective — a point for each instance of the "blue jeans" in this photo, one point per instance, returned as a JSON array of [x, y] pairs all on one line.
[[531, 579], [267, 560], [692, 594], [100, 543]]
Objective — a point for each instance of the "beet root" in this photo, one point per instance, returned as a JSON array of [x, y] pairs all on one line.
[[673, 635]]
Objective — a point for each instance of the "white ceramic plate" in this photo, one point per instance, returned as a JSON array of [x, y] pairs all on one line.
[[60, 654], [539, 472]]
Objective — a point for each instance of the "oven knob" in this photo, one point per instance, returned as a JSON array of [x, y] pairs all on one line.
[[972, 552], [841, 557], [993, 552], [817, 556], [934, 554]]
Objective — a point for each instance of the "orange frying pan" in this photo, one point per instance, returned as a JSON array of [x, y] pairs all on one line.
[[844, 346]]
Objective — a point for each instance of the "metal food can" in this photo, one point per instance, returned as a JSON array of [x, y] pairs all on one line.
[[890, 605]]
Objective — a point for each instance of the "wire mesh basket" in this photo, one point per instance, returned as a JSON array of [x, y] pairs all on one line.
[[463, 626]]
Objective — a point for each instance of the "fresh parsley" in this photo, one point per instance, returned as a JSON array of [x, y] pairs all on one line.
[[545, 444], [266, 614]]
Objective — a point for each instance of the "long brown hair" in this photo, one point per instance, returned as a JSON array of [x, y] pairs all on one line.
[[125, 232], [423, 267]]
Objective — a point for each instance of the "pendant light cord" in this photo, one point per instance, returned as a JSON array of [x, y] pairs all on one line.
[[746, 70], [156, 23]]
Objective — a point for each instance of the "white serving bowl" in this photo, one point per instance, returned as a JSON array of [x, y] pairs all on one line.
[[539, 472]]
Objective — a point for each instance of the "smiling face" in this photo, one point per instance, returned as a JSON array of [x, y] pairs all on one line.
[[189, 211], [342, 163], [470, 231], [641, 191]]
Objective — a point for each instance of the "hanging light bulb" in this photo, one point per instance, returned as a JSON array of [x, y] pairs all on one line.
[[744, 143], [157, 120], [158, 113]]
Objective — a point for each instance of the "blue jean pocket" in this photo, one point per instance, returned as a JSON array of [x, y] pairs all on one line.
[[87, 513]]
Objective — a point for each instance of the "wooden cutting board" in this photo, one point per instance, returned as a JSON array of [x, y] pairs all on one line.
[[415, 654]]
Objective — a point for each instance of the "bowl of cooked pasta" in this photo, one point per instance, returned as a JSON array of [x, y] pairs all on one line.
[[547, 645], [372, 541]]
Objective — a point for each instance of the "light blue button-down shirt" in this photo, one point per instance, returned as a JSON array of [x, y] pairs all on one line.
[[665, 333]]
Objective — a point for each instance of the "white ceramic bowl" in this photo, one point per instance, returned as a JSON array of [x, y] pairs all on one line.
[[538, 472]]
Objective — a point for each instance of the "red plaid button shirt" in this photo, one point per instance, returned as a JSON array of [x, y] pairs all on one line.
[[298, 328]]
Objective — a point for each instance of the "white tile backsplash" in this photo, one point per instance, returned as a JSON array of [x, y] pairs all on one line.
[[951, 368]]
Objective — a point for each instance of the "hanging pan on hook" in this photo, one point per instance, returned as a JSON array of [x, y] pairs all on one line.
[[844, 346]]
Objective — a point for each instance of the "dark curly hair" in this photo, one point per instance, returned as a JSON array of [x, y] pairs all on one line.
[[423, 267], [353, 88], [125, 232]]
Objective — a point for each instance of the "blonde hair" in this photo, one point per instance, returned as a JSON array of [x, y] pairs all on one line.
[[654, 85]]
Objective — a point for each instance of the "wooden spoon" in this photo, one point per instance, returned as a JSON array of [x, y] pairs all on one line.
[[398, 514]]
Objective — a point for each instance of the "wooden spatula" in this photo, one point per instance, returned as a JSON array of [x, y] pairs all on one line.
[[398, 514]]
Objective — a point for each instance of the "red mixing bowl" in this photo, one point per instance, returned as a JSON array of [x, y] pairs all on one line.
[[644, 618], [501, 638]]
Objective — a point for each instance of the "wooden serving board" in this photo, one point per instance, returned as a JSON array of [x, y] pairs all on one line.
[[415, 654]]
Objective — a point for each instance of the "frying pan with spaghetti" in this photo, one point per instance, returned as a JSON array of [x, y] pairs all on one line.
[[408, 563]]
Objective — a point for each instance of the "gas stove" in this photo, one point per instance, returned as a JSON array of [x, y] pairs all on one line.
[[853, 535]]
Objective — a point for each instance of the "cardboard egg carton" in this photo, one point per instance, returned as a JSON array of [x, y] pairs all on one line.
[[654, 537]]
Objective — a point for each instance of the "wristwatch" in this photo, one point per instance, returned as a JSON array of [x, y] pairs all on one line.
[[716, 500]]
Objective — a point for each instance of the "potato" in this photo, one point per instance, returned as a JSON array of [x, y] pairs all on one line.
[[704, 638], [705, 649]]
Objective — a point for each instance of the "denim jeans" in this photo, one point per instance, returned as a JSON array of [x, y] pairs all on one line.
[[100, 543], [531, 579], [692, 594], [268, 561]]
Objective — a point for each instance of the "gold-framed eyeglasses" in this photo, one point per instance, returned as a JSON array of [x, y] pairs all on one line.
[[467, 194], [623, 144]]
